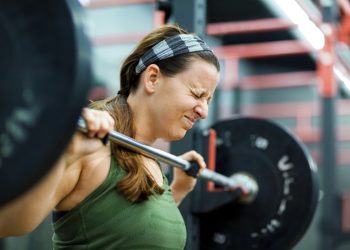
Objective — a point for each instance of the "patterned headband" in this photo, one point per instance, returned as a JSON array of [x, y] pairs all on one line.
[[172, 46]]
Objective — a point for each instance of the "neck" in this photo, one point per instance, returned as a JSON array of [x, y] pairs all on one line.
[[142, 119]]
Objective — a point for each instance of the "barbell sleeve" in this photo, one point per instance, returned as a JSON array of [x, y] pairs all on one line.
[[239, 180]]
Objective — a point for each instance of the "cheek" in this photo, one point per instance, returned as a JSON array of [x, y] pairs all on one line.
[[178, 103], [184, 105], [173, 106], [173, 113]]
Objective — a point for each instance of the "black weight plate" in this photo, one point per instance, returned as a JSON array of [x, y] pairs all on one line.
[[288, 188], [45, 77]]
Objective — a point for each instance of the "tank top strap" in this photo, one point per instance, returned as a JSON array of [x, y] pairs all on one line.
[[114, 175]]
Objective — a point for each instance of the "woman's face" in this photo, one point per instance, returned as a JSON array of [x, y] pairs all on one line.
[[183, 99]]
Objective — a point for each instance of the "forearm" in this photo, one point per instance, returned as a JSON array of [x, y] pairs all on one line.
[[26, 212], [181, 185], [178, 193]]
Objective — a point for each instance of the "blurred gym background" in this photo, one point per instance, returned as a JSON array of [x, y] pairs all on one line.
[[285, 60]]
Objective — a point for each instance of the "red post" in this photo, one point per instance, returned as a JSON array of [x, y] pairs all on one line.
[[325, 64]]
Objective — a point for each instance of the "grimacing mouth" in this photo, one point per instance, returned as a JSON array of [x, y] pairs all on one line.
[[193, 120]]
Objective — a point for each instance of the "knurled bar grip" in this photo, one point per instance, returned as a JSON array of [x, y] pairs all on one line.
[[235, 181]]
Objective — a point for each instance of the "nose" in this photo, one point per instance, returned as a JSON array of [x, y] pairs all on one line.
[[201, 109]]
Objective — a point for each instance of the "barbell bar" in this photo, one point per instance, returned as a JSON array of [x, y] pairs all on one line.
[[243, 181]]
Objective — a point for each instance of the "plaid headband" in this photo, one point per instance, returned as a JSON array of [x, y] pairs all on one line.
[[171, 46]]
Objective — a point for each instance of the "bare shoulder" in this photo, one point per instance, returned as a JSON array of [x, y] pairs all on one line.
[[83, 177]]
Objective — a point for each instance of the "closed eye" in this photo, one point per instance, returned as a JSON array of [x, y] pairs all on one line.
[[197, 96], [201, 96]]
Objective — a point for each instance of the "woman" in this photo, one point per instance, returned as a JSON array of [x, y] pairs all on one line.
[[107, 197]]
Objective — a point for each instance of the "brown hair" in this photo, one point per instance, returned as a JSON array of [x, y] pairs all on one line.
[[138, 185]]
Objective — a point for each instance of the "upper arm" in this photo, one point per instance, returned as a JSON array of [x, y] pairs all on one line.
[[26, 212], [23, 214]]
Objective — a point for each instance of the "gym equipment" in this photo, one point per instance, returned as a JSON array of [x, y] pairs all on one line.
[[286, 176], [236, 181], [45, 77], [268, 201]]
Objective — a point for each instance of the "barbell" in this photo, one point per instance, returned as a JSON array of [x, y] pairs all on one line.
[[45, 69], [242, 181]]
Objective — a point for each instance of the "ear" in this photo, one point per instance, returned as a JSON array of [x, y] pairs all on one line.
[[151, 78]]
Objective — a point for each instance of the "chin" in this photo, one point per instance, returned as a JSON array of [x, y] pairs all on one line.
[[177, 136]]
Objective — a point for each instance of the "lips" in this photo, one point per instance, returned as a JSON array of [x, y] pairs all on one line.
[[190, 121]]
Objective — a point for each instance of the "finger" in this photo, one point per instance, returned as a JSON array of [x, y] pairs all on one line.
[[201, 163], [110, 120], [198, 158], [88, 115], [90, 121], [93, 127], [106, 125], [98, 123], [103, 129]]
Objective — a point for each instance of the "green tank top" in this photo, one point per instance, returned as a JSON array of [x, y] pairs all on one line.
[[106, 220]]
